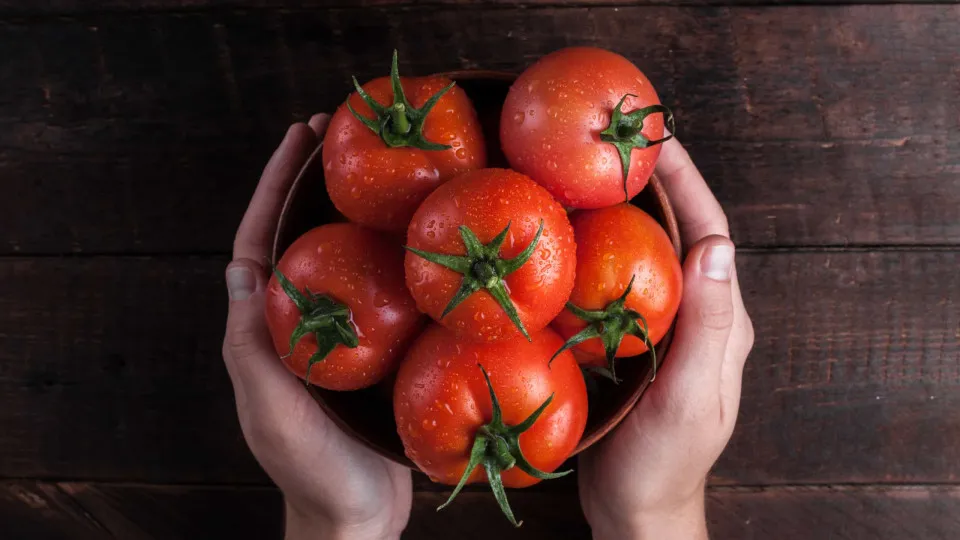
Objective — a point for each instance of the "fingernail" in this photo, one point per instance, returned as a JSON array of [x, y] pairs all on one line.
[[241, 283], [717, 262]]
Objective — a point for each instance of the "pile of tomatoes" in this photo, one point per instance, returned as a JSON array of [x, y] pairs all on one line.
[[473, 287]]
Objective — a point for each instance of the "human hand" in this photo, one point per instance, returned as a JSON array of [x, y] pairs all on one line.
[[648, 478], [334, 487]]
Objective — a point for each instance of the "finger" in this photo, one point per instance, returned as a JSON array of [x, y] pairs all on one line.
[[248, 350], [704, 321], [255, 234], [318, 123], [738, 348], [698, 212]]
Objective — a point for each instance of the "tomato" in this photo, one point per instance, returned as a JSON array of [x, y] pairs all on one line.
[[381, 161], [580, 121], [629, 283], [447, 420], [337, 307], [490, 255]]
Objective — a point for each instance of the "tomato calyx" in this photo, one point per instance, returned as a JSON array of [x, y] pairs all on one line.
[[611, 324], [322, 316], [400, 124], [497, 448], [483, 268], [624, 132]]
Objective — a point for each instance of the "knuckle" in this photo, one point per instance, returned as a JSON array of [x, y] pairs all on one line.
[[240, 341], [716, 316], [750, 337]]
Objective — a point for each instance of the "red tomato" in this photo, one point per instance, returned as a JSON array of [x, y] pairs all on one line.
[[459, 276], [345, 292], [554, 120], [379, 170], [443, 406], [620, 246]]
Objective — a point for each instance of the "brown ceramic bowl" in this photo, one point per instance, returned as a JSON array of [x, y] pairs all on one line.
[[367, 415]]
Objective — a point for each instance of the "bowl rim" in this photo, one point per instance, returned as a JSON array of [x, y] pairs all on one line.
[[667, 219]]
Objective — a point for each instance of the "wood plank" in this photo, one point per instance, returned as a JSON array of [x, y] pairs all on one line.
[[74, 7], [43, 511], [856, 371], [111, 369], [145, 133], [158, 512]]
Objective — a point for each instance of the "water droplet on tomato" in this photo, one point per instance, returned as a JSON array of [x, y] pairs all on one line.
[[519, 117], [608, 257], [431, 234], [355, 192], [428, 425], [450, 136], [343, 159], [531, 113], [546, 146], [552, 165], [368, 180], [461, 153], [552, 112], [381, 299]]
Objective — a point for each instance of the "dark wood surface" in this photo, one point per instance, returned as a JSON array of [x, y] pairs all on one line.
[[110, 124], [132, 134], [86, 511]]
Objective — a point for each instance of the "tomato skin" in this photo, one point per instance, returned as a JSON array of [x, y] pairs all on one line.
[[616, 244], [441, 399], [381, 187], [486, 201], [552, 118], [361, 269]]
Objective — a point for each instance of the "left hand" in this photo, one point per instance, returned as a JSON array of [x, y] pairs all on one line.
[[333, 486]]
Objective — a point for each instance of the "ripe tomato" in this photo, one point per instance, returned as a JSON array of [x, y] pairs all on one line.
[[337, 308], [629, 283], [447, 415], [562, 125], [381, 161], [490, 255]]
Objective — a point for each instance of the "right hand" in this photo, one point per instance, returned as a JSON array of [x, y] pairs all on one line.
[[648, 478]]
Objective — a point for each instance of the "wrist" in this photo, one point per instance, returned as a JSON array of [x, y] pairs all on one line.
[[683, 521], [316, 526]]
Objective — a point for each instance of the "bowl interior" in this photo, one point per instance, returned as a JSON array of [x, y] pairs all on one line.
[[367, 415]]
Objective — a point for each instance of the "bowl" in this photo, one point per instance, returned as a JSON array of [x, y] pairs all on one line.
[[367, 415]]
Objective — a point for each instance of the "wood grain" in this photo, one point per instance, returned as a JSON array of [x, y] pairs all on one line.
[[111, 370], [145, 132], [137, 512], [73, 7]]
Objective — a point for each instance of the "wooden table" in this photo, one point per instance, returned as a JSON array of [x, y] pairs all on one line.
[[132, 134]]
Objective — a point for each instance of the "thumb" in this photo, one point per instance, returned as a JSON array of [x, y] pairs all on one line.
[[248, 350], [705, 318]]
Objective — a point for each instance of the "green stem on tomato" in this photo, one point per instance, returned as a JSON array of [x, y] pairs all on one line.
[[625, 133], [483, 268], [400, 124], [611, 324], [497, 447], [323, 317]]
